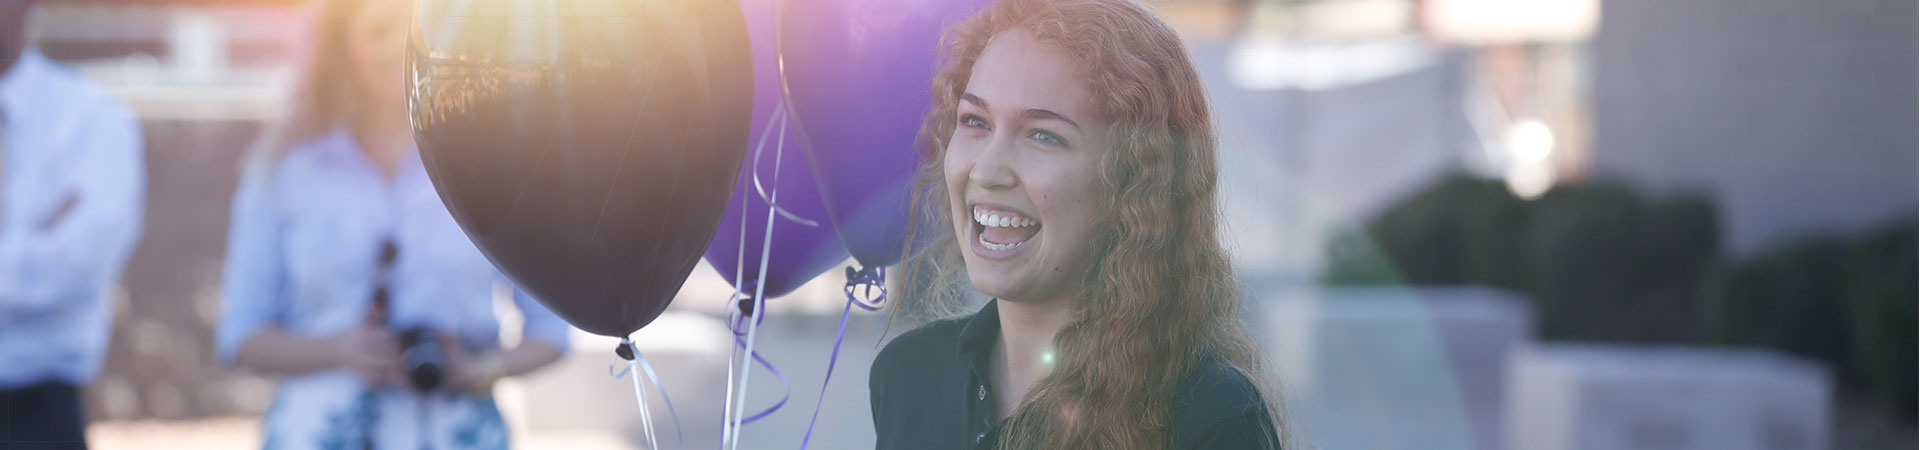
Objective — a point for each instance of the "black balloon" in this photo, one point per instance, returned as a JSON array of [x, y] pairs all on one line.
[[587, 147]]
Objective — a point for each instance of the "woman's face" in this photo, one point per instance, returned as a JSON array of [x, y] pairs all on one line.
[[374, 39], [1022, 171]]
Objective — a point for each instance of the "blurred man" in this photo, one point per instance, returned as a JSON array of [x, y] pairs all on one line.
[[72, 181]]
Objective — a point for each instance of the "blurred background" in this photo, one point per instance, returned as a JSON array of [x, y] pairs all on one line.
[[1472, 224]]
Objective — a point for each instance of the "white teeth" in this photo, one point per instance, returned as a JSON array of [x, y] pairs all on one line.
[[998, 247], [996, 220]]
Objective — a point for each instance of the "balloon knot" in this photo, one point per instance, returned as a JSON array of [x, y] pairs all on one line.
[[625, 350], [867, 286], [746, 306]]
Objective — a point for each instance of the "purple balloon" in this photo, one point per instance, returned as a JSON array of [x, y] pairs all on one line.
[[800, 252], [858, 77]]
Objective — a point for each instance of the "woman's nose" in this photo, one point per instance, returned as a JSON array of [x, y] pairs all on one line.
[[993, 169]]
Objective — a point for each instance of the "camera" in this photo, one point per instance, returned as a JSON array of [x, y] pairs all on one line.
[[420, 350], [424, 358]]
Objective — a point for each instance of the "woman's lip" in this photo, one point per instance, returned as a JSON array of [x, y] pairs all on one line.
[[975, 228], [973, 241], [985, 252]]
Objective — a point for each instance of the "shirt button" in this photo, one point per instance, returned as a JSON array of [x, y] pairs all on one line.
[[983, 392]]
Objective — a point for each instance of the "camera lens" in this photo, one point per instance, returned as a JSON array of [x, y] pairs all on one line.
[[424, 358]]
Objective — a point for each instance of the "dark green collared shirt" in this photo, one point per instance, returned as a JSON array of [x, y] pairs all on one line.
[[929, 389]]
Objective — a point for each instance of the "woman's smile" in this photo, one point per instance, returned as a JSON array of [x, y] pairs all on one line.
[[1001, 233]]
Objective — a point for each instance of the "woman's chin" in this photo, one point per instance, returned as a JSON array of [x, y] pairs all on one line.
[[996, 286]]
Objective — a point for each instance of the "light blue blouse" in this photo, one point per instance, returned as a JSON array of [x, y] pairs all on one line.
[[62, 139], [302, 255]]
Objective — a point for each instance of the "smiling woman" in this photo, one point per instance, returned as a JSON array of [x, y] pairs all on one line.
[[1071, 150]]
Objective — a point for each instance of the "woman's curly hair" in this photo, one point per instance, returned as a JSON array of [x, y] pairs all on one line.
[[1159, 297]]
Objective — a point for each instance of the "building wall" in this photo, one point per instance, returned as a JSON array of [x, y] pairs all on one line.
[[1797, 116]]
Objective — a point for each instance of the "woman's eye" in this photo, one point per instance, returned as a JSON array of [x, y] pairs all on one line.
[[1047, 137], [972, 121]]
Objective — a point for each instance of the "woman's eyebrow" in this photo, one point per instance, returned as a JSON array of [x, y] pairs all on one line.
[[974, 99], [1030, 114], [1041, 114]]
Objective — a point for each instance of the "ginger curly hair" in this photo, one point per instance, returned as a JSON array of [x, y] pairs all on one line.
[[1159, 297]]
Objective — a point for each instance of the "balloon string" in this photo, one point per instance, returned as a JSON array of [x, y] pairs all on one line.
[[654, 377], [739, 323], [779, 144], [628, 348], [739, 290], [740, 261], [786, 388], [726, 410], [628, 351], [865, 281], [640, 396], [759, 295], [867, 287]]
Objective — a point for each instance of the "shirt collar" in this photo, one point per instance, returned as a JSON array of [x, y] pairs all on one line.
[[339, 145], [978, 335], [17, 83]]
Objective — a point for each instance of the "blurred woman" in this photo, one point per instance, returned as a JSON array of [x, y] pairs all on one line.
[[338, 242], [1071, 152]]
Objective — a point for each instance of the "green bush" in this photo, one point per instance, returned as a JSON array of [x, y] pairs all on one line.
[[1883, 296], [1608, 265], [1600, 262], [1461, 231], [1604, 263], [1354, 259], [1789, 298], [1847, 301]]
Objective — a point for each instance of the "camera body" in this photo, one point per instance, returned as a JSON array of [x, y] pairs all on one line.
[[424, 358]]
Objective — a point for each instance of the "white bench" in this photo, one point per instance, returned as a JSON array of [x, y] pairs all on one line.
[[1394, 367], [1602, 397]]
